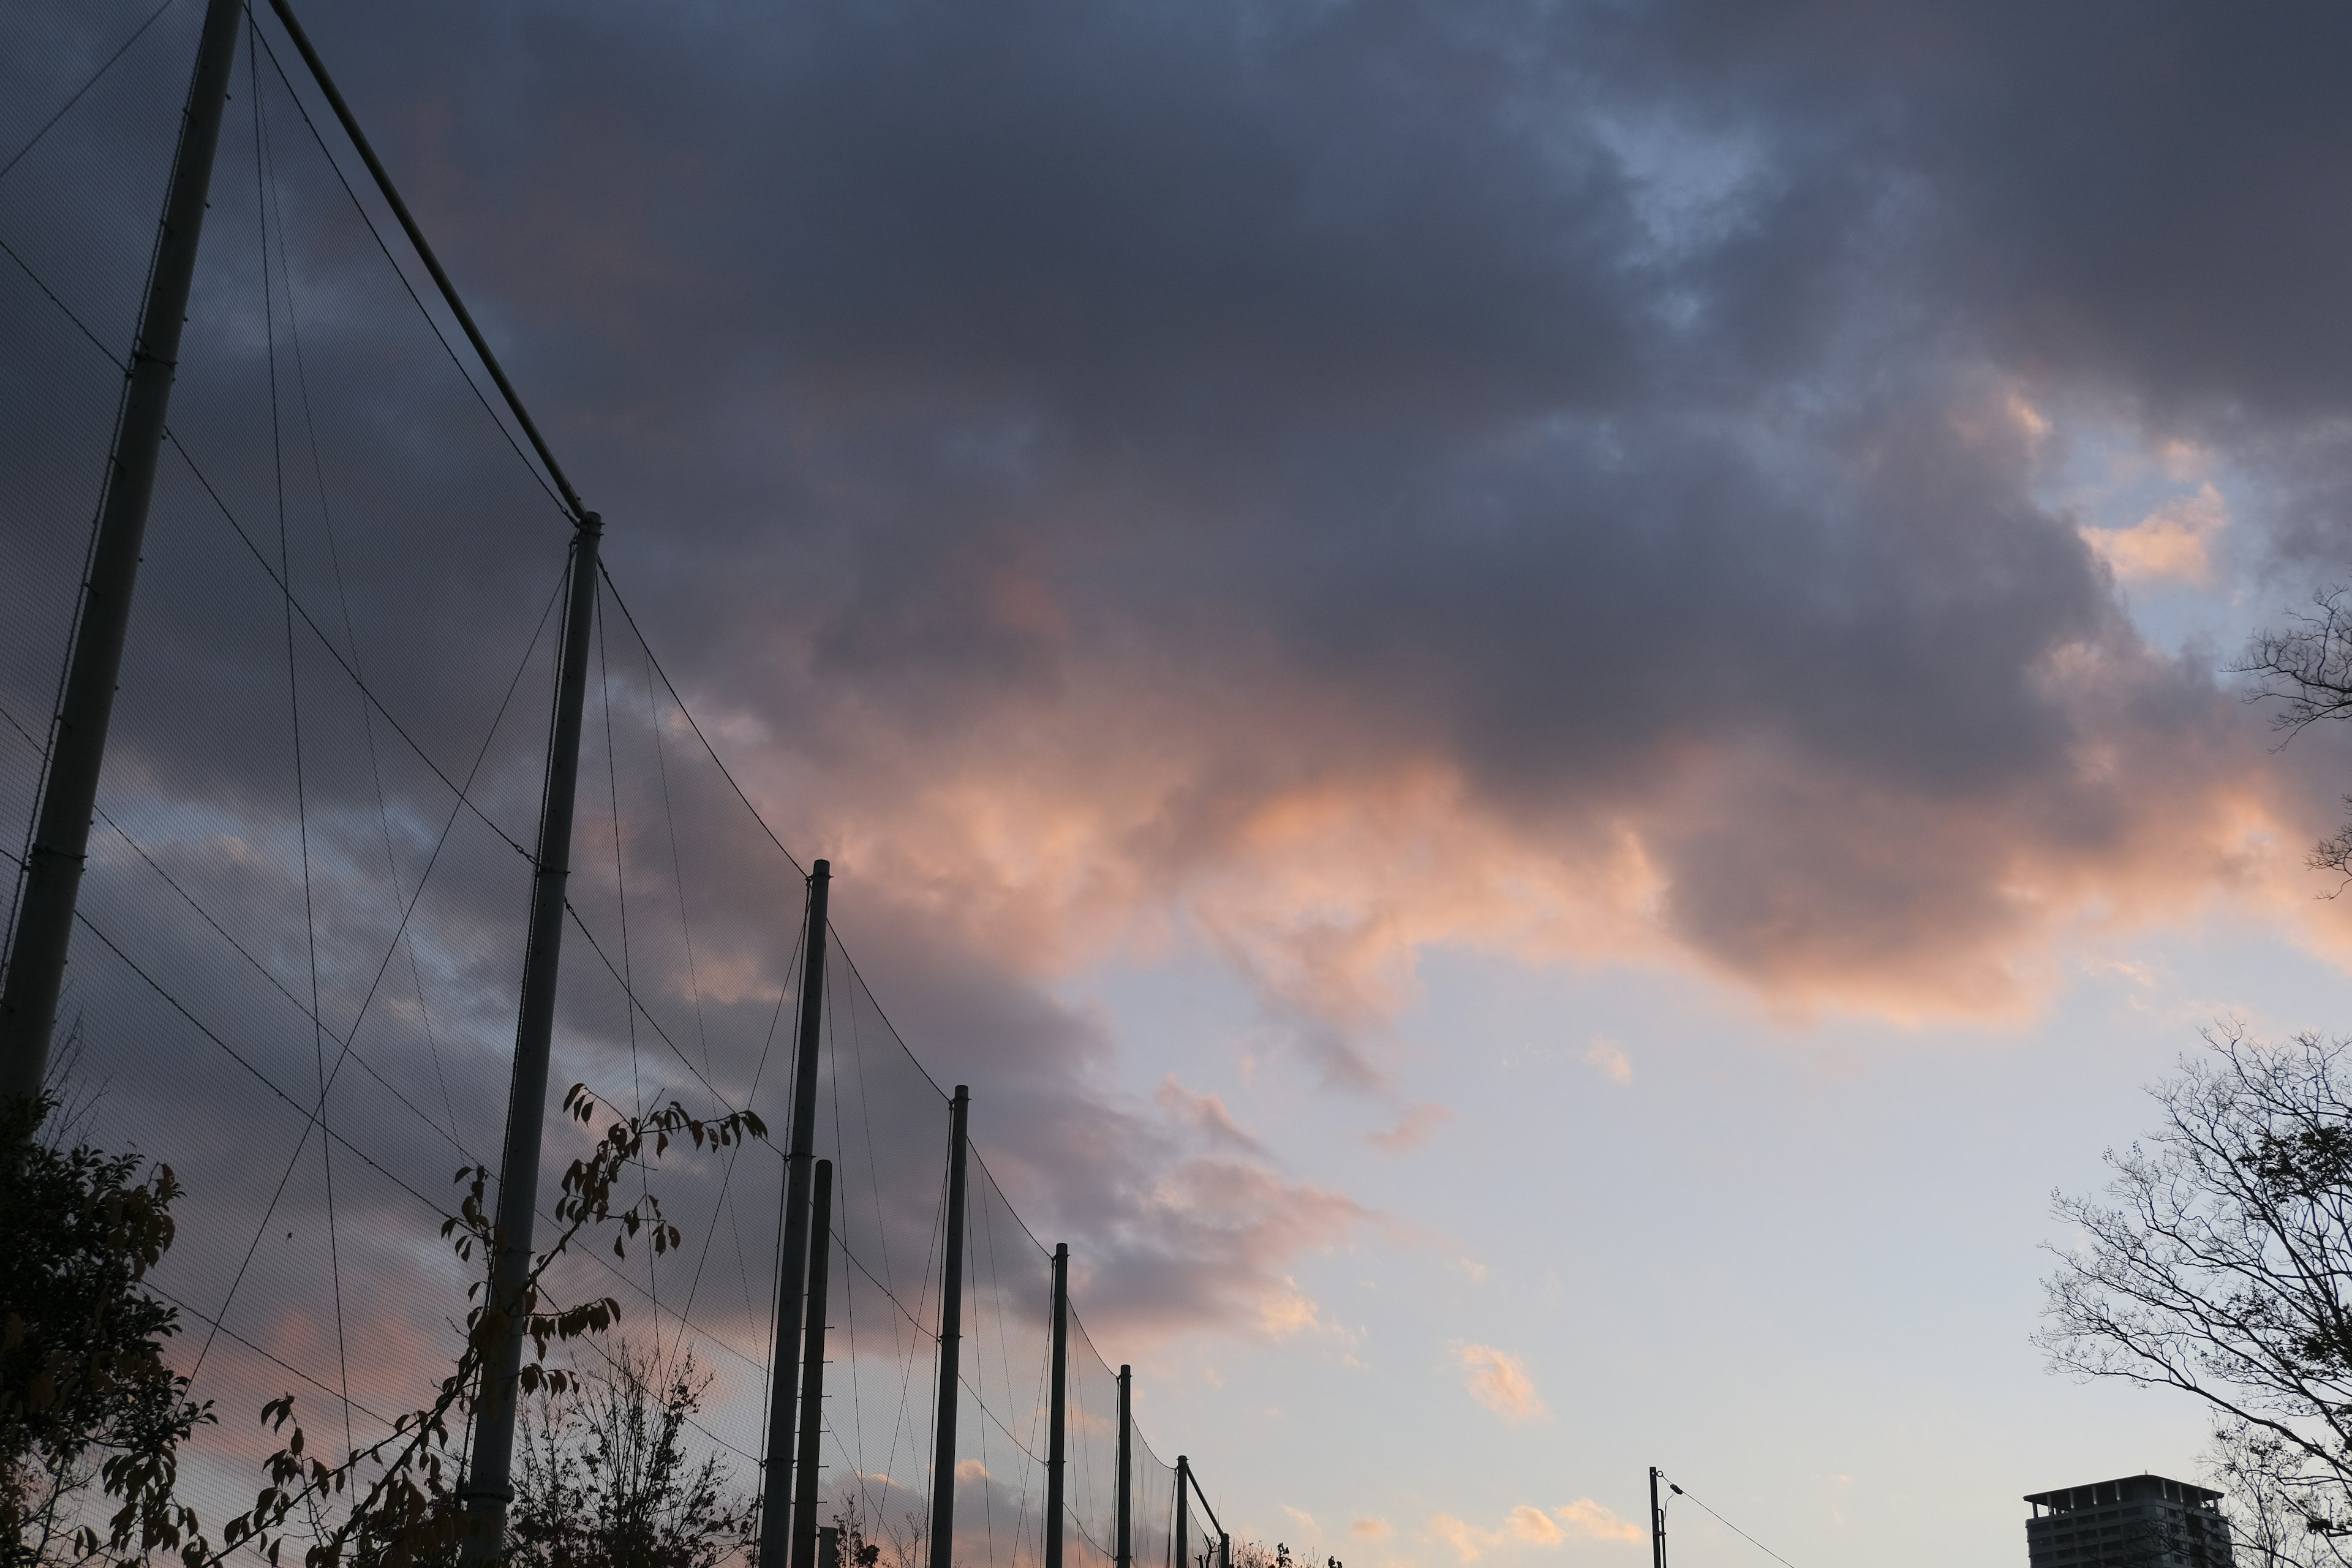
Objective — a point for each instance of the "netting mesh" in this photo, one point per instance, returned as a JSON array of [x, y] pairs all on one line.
[[296, 976], [1090, 1537], [1155, 1508]]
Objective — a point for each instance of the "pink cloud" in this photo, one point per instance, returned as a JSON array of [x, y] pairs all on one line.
[[1414, 1128], [1499, 1381]]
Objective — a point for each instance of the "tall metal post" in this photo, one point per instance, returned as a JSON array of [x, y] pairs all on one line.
[[951, 1341], [52, 875], [776, 1490], [487, 1489], [804, 1498], [1183, 1512], [1058, 1411], [1657, 1525], [1123, 1517]]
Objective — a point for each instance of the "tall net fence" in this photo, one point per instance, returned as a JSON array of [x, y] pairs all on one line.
[[1155, 1508], [296, 970]]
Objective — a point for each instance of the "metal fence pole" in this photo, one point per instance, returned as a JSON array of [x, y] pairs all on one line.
[[943, 1478], [488, 1487], [804, 1495], [1183, 1553], [775, 1485], [1057, 1439], [52, 877], [1123, 1538]]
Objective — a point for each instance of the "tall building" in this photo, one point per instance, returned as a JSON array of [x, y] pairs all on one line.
[[2139, 1521]]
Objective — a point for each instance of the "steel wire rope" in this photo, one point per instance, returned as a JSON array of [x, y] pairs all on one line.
[[671, 687], [264, 182], [233, 1055], [365, 1066], [89, 542], [350, 632], [979, 1403], [1039, 1410], [853, 1458], [410, 288], [88, 560], [610, 968], [349, 1044], [50, 124], [1086, 1343], [988, 1480], [1728, 1524], [685, 927], [334, 653], [621, 890], [1043, 1250], [283, 1364], [882, 1238], [898, 1425], [243, 952], [262, 560], [914, 1060], [1039, 1403], [841, 1150], [734, 1151], [595, 1343], [677, 862]]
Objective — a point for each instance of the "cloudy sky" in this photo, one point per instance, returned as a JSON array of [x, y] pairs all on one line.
[[1538, 691]]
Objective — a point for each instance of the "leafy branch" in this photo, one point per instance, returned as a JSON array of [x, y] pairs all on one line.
[[404, 1510], [83, 1376]]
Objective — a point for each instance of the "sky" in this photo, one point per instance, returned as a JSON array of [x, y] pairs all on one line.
[[1542, 693]]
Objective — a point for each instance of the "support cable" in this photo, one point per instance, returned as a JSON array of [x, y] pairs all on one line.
[[465, 799], [621, 888], [280, 1363], [349, 1041], [229, 515], [677, 861], [233, 1055], [264, 180], [241, 951], [841, 1153], [613, 970], [447, 346], [671, 687], [351, 629], [425, 253], [727, 1178], [50, 124], [1729, 1525]]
